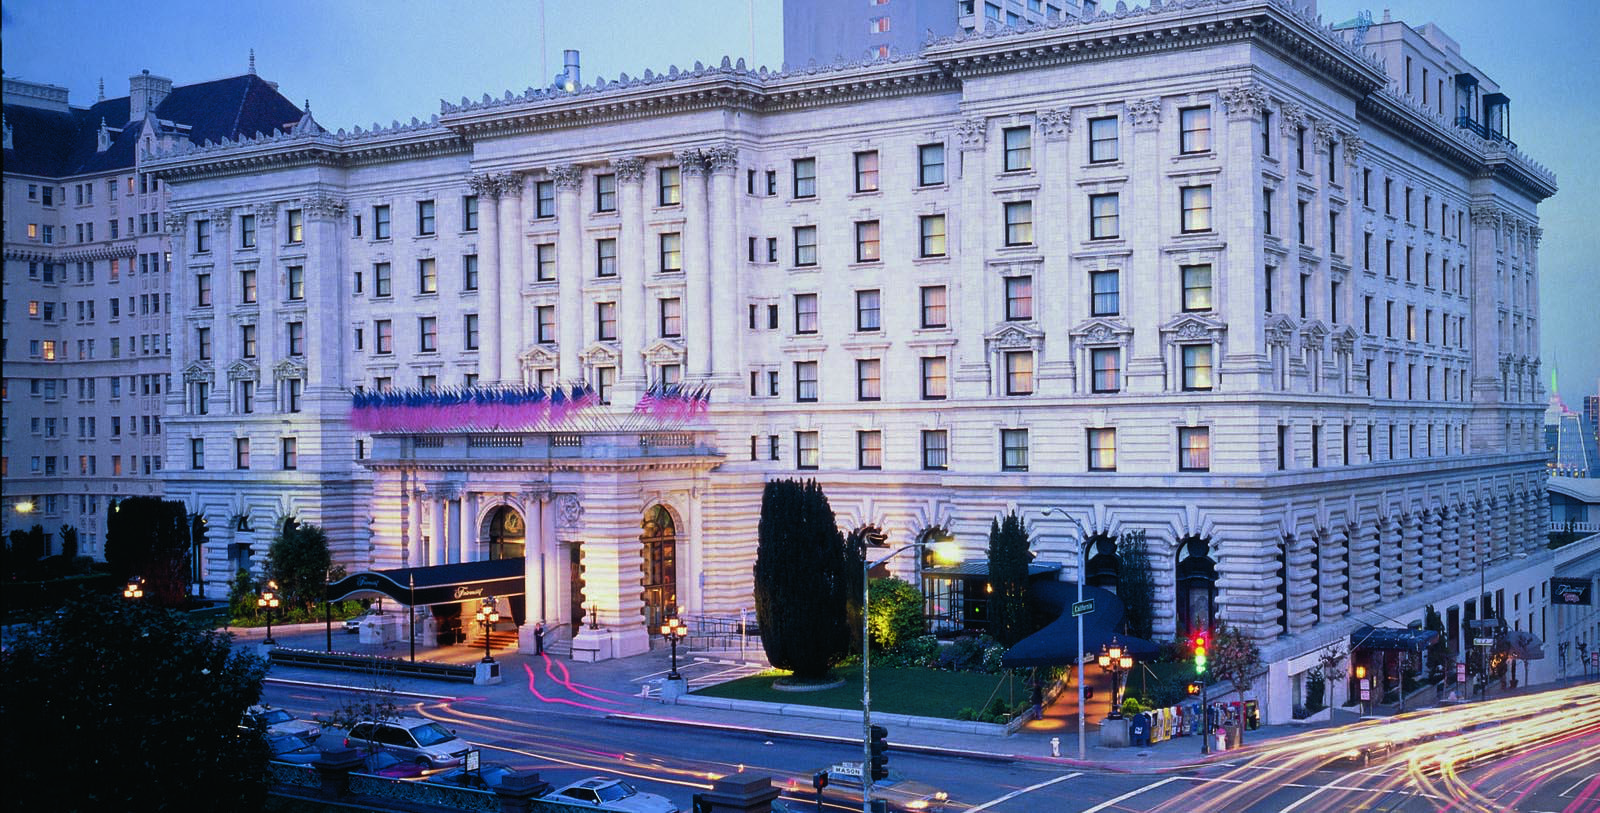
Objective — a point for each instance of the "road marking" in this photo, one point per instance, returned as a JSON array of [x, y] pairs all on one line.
[[1130, 794], [1568, 791], [1014, 794]]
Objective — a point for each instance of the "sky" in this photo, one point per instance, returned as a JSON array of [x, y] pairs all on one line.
[[360, 63]]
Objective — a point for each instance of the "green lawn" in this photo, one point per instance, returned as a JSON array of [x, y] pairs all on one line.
[[920, 692]]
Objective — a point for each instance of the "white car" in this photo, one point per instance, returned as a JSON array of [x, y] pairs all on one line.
[[414, 739], [280, 722], [609, 794]]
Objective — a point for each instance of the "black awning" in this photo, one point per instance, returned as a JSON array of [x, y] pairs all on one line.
[[1392, 638], [1057, 643], [979, 569], [439, 584]]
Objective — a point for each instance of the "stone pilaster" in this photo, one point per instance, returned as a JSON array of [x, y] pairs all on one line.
[[1391, 559], [1301, 554], [1410, 553], [267, 350], [972, 288], [1500, 523], [487, 187], [569, 269], [723, 163], [696, 263], [326, 353], [635, 329], [1450, 543], [1335, 584], [1365, 566], [1147, 269], [511, 282]]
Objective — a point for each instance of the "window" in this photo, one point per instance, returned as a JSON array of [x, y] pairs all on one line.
[[202, 292], [1103, 217], [605, 379], [1194, 448], [806, 453], [1300, 148], [867, 310], [772, 249], [867, 242], [605, 257], [605, 193], [382, 281], [805, 313], [380, 222], [247, 341], [544, 319], [935, 449], [805, 245], [241, 453], [671, 252], [930, 164], [1019, 148], [1196, 287], [869, 379], [1107, 369], [425, 217], [296, 278], [383, 334], [1014, 450], [1300, 220], [1019, 298], [935, 313], [671, 317], [1196, 208], [1266, 133], [1019, 223], [469, 331], [202, 236], [605, 317], [544, 199], [469, 272], [295, 387], [1197, 367], [247, 285], [197, 453], [933, 235], [669, 186], [247, 231], [1102, 449], [290, 454], [867, 171], [1105, 295], [297, 338], [869, 450], [805, 381], [1333, 232], [469, 212], [1103, 140], [1194, 130], [544, 262], [935, 378], [427, 334], [1019, 372], [202, 337], [1266, 210], [805, 177]]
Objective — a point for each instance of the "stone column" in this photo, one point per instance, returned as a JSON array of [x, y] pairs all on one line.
[[1432, 547], [1300, 559], [326, 353], [1244, 366], [487, 187], [1410, 553], [635, 329], [696, 264], [511, 280], [971, 281], [723, 308], [1147, 268], [569, 269], [438, 552], [267, 350], [607, 521], [534, 560], [182, 287], [1247, 565], [1450, 543], [1058, 290], [1474, 542]]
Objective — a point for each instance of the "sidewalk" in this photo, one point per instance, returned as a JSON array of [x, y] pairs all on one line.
[[627, 689]]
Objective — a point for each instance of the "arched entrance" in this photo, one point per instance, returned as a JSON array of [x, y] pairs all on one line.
[[659, 538], [508, 533], [1197, 585]]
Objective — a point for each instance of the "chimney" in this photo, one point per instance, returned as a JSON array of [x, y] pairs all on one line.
[[571, 79], [145, 93]]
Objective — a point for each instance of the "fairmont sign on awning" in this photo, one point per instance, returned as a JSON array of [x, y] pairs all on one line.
[[440, 584], [1566, 590]]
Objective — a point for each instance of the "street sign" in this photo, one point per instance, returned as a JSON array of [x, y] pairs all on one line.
[[1483, 642], [1366, 694], [472, 760], [845, 769], [1461, 672], [1082, 608]]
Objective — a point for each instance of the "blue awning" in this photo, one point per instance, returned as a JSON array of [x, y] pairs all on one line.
[[1392, 638], [1057, 643]]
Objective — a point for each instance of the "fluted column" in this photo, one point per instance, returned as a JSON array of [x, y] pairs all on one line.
[[1431, 547], [696, 263], [569, 269], [267, 350], [635, 328], [511, 280], [1450, 543], [723, 306], [487, 188]]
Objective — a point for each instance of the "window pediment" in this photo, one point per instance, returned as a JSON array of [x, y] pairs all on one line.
[[1102, 331], [1280, 329], [664, 351], [1014, 336], [1193, 327], [598, 354], [198, 373], [1344, 341], [243, 370], [287, 369], [539, 355]]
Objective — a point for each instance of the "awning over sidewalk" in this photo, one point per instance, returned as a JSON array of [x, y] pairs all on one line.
[[439, 584], [1392, 638], [1057, 643]]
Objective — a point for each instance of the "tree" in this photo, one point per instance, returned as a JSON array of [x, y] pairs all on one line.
[[1330, 667], [129, 706], [25, 549], [896, 615], [1136, 584], [1234, 659], [300, 563], [1008, 579], [804, 576], [69, 542], [149, 537], [1439, 658]]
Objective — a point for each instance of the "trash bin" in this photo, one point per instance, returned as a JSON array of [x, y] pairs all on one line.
[[1252, 714], [1235, 735], [1139, 730]]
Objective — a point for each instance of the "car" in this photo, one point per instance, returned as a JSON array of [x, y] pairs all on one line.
[[279, 721], [900, 793], [488, 776], [353, 623], [388, 765], [421, 741], [610, 794], [289, 748]]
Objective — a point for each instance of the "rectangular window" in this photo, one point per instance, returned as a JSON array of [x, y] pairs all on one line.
[[1019, 372], [241, 453], [1266, 210], [935, 378], [382, 280], [805, 177], [805, 245], [1019, 223], [1107, 372], [544, 262], [868, 304], [427, 334], [805, 313], [935, 312], [1300, 220], [806, 451], [544, 319], [1283, 448], [297, 338], [1197, 367], [805, 381], [1194, 130], [869, 450], [247, 231], [1196, 287], [203, 343], [669, 186], [932, 232], [1103, 140], [1102, 449], [202, 236], [605, 192], [469, 331], [1316, 447], [469, 272], [1105, 297], [197, 453], [295, 277], [1103, 217], [605, 317], [425, 217], [469, 212], [1019, 298], [383, 334], [1019, 148], [544, 199], [247, 341], [247, 285], [671, 252], [867, 242], [671, 313], [296, 224], [202, 292], [605, 257], [867, 171], [930, 164], [1194, 448], [935, 449], [1266, 133], [290, 454], [1300, 148], [1196, 208], [869, 379], [1014, 450]]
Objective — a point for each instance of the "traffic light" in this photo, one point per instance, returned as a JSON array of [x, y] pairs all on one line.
[[1200, 644], [819, 780], [1193, 688], [880, 756]]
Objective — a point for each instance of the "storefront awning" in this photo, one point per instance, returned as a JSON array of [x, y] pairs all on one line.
[[980, 570], [1057, 644], [1392, 638], [439, 584]]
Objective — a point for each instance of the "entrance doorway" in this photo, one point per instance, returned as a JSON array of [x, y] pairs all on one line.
[[660, 541], [507, 534]]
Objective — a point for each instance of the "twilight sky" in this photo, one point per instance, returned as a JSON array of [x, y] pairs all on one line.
[[365, 62]]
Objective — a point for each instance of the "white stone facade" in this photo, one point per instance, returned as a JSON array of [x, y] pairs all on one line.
[[833, 250]]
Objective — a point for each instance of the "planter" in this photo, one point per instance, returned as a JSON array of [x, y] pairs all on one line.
[[1114, 733]]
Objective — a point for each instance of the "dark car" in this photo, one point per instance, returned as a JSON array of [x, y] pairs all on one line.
[[388, 765], [488, 776], [289, 748]]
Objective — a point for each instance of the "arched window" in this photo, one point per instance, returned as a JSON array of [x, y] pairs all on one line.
[[1103, 569], [1196, 584], [660, 540], [507, 534]]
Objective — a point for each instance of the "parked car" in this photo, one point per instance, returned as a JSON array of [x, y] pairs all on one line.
[[388, 765], [289, 748], [353, 623], [607, 793], [424, 742], [279, 721], [488, 776]]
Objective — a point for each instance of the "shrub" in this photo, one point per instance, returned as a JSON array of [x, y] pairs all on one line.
[[1131, 706], [992, 658], [896, 612]]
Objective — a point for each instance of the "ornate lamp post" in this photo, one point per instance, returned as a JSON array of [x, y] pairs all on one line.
[[674, 630], [135, 588], [268, 601], [1115, 660], [488, 615]]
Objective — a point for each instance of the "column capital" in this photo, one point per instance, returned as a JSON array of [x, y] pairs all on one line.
[[1326, 134], [691, 162], [266, 213], [629, 169], [177, 222], [484, 185], [1055, 124], [509, 184], [567, 177], [722, 158], [1293, 116], [221, 218], [1244, 101], [1145, 114], [973, 133], [323, 207], [1352, 149]]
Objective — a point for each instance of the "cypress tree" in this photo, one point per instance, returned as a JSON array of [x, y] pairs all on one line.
[[804, 575], [1008, 576]]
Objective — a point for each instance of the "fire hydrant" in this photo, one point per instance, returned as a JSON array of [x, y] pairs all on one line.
[[1221, 740], [1055, 746]]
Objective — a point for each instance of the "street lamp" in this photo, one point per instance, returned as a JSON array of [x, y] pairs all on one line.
[[945, 550], [1083, 567], [135, 588], [1115, 660], [269, 601], [1361, 686], [674, 630], [488, 615]]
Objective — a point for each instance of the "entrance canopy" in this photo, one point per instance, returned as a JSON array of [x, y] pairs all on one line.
[[440, 584], [1392, 638], [1057, 643]]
